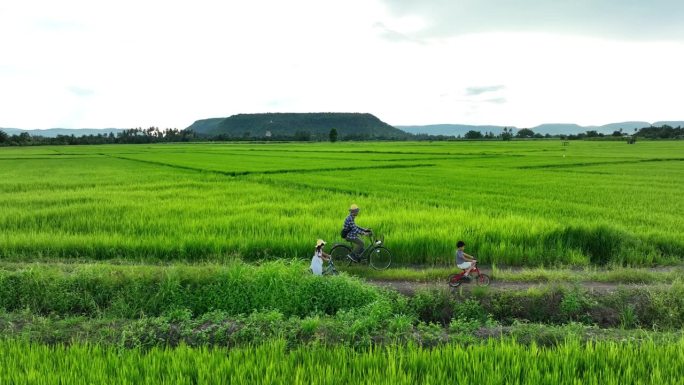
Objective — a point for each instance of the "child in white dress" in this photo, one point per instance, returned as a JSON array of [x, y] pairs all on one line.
[[318, 258]]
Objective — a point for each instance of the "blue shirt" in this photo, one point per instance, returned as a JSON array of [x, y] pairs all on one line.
[[352, 229], [459, 257]]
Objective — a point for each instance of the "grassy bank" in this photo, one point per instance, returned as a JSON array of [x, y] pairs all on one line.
[[131, 291], [615, 274], [351, 329], [286, 287]]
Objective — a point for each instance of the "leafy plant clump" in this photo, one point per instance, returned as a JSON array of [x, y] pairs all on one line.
[[134, 291]]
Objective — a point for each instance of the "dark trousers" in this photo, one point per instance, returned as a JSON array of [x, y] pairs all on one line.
[[358, 245]]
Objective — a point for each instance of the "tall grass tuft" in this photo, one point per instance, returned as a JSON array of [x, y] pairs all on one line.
[[132, 291]]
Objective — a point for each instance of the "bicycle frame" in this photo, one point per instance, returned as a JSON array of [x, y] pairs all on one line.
[[375, 253], [330, 268], [455, 280], [474, 270], [374, 242]]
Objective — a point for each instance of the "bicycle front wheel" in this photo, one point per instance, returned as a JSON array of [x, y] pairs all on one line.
[[483, 280], [380, 258], [339, 254]]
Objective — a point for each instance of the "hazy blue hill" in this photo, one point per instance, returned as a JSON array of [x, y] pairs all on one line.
[[574, 129], [11, 131], [318, 125], [53, 132], [627, 127], [451, 129], [560, 128], [671, 123], [547, 128]]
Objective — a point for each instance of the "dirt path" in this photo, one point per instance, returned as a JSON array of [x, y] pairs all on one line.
[[410, 287]]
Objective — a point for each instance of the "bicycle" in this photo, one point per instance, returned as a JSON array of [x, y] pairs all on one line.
[[378, 256], [456, 280], [330, 268]]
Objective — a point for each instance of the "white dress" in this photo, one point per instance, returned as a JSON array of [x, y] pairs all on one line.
[[317, 263]]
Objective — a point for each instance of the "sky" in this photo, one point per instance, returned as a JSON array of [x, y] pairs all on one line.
[[142, 63]]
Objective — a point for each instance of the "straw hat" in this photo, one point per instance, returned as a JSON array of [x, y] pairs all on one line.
[[320, 243]]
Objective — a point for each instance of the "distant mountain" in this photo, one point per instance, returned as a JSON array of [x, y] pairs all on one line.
[[451, 129], [317, 125], [671, 123], [625, 126], [560, 128], [206, 125], [568, 129], [547, 128], [11, 131], [53, 132]]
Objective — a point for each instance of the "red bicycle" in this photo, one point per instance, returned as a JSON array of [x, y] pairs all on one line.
[[455, 280]]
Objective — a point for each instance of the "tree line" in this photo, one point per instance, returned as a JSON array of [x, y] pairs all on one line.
[[155, 135], [652, 132], [661, 132], [133, 135]]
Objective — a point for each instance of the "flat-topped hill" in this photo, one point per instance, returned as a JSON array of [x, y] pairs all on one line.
[[317, 125]]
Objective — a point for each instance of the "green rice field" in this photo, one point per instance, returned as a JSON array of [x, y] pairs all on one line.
[[526, 203], [494, 363]]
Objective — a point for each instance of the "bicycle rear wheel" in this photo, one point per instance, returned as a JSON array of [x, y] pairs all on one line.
[[455, 280], [483, 280], [339, 254], [380, 258]]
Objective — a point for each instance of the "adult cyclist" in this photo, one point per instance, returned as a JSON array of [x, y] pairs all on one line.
[[351, 232]]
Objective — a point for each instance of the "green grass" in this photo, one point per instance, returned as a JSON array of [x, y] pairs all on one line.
[[103, 290], [618, 275], [218, 328], [494, 363], [588, 274], [529, 203], [98, 290]]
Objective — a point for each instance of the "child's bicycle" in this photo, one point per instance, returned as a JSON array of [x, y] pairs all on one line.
[[330, 268], [378, 256], [455, 280]]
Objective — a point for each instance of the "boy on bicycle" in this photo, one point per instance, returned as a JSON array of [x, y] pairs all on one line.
[[463, 260], [351, 232]]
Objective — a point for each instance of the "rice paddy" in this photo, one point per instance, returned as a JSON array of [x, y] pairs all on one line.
[[272, 363], [520, 203]]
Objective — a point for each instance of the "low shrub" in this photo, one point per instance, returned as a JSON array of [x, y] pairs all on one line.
[[134, 291]]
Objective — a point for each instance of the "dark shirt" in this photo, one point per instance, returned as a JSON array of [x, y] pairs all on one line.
[[352, 229]]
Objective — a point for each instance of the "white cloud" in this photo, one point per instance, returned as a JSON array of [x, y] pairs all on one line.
[[477, 90], [618, 19], [167, 63]]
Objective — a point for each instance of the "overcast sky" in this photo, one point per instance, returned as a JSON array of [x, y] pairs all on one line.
[[125, 63]]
